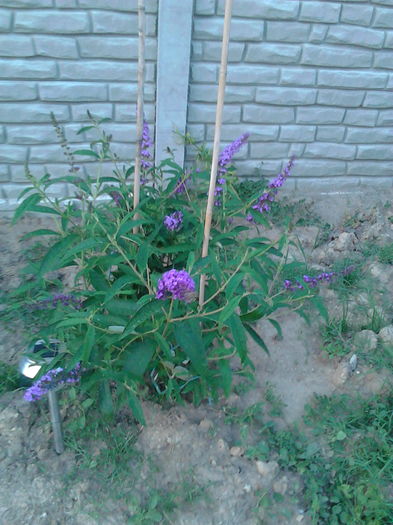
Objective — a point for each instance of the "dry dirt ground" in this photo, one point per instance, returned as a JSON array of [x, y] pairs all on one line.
[[184, 449]]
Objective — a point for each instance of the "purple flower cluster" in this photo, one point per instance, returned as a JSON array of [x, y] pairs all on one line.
[[117, 197], [51, 380], [174, 221], [176, 284], [311, 281], [314, 281], [60, 298], [146, 143], [180, 187], [224, 160], [229, 151], [263, 203]]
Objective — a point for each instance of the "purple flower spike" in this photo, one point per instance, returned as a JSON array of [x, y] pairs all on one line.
[[224, 161], [176, 284], [117, 197], [174, 221], [262, 205], [146, 143], [314, 281], [60, 298], [227, 154], [51, 380]]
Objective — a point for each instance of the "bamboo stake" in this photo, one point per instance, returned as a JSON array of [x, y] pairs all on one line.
[[139, 104], [217, 139]]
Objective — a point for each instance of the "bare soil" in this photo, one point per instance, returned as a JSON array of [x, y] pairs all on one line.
[[183, 447]]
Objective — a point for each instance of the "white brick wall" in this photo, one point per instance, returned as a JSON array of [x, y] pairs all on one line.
[[309, 77], [314, 78], [67, 56]]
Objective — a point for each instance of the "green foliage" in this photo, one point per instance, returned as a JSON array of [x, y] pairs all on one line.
[[343, 458], [128, 341], [8, 378], [385, 254], [336, 336]]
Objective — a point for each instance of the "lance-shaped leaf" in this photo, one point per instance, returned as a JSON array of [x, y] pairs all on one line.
[[189, 337]]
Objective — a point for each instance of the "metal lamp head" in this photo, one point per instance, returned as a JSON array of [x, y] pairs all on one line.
[[30, 367]]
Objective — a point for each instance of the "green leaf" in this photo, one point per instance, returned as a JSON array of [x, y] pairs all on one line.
[[136, 407], [142, 314], [88, 343], [176, 248], [190, 262], [87, 153], [72, 321], [105, 398], [37, 233], [122, 307], [189, 337], [277, 326], [53, 259], [256, 314], [229, 309], [25, 206], [233, 284], [226, 375], [138, 357], [239, 336], [87, 244], [142, 257], [44, 209], [116, 287], [26, 190], [257, 338], [98, 281], [85, 128], [127, 226]]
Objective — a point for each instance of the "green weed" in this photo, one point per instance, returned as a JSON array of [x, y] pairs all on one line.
[[343, 458], [336, 337], [9, 379], [385, 254]]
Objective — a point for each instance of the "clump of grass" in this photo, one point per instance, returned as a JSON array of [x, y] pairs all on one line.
[[343, 458], [9, 379], [385, 254], [336, 337], [350, 274]]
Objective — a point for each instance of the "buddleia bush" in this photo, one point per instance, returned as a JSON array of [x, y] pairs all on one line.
[[131, 322]]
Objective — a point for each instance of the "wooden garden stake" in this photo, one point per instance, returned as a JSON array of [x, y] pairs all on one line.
[[217, 139], [139, 104]]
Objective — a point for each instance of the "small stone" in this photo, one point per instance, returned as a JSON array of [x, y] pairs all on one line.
[[386, 335], [205, 424], [267, 468], [281, 486], [365, 341], [221, 445], [345, 242], [353, 363], [380, 272], [236, 451], [341, 374], [247, 488], [299, 518]]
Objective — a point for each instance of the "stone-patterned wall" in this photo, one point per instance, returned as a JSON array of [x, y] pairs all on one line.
[[311, 78], [67, 56]]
